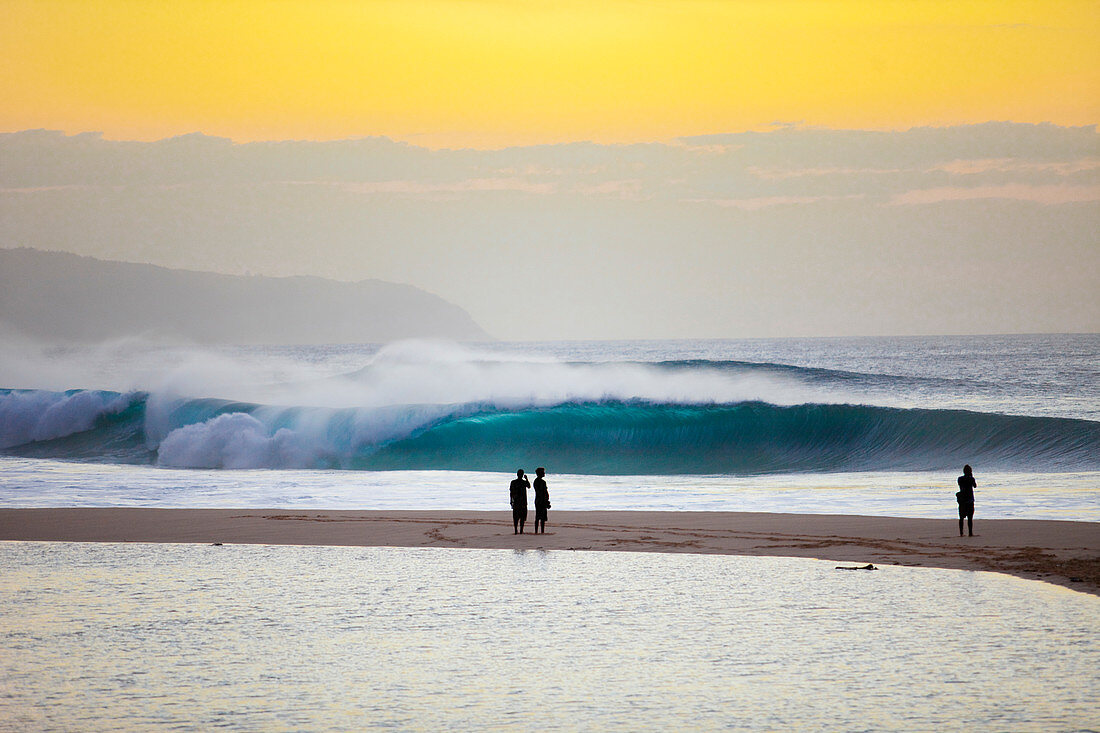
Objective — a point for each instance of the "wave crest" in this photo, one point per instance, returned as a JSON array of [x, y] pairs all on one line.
[[594, 437], [32, 415], [234, 440]]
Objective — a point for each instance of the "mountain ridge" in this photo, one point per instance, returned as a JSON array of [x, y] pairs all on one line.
[[58, 296]]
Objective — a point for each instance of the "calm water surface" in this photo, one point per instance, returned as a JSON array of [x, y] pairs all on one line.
[[109, 637]]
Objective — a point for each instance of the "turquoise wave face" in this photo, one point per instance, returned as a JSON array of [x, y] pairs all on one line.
[[76, 425], [747, 438], [613, 437]]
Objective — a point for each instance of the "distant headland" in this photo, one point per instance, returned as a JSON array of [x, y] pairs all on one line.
[[60, 297]]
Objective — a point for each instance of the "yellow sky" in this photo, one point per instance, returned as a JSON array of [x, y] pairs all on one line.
[[489, 73]]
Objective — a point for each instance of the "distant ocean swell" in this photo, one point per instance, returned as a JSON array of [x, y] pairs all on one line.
[[613, 437]]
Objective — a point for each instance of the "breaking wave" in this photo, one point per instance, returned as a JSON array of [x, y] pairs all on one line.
[[606, 435]]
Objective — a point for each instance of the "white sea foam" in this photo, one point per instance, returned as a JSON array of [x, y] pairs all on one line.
[[408, 386], [37, 415], [412, 373], [234, 440]]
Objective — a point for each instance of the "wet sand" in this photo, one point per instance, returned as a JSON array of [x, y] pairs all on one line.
[[1064, 553]]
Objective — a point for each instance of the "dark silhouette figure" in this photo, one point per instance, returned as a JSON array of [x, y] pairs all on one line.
[[517, 497], [542, 499], [965, 496]]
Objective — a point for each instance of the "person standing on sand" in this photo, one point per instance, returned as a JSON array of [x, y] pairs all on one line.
[[517, 497], [965, 496], [542, 499]]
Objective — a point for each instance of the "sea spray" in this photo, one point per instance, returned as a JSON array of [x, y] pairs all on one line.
[[234, 440], [427, 405], [33, 415], [608, 437]]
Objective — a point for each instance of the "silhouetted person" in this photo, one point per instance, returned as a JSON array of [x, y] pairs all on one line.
[[965, 495], [542, 499], [517, 497]]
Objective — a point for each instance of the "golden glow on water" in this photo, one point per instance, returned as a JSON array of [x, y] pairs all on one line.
[[109, 637], [488, 73]]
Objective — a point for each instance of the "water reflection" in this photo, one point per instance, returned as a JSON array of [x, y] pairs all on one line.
[[102, 637]]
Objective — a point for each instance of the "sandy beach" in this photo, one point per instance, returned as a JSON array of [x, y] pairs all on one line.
[[1063, 553]]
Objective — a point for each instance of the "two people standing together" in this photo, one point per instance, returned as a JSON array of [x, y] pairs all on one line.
[[517, 496]]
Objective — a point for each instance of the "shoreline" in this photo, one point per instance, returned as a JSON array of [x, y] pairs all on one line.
[[1064, 553]]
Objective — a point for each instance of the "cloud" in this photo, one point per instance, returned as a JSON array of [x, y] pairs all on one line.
[[778, 174], [1010, 165], [464, 186], [1051, 195], [44, 189], [754, 204], [791, 231], [789, 161], [918, 147]]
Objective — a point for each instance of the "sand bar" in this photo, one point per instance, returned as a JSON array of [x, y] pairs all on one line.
[[1064, 553]]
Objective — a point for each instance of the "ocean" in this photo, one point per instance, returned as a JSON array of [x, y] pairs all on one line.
[[109, 636], [855, 425]]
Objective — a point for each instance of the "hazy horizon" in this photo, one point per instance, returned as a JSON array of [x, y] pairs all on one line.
[[986, 228], [155, 340]]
